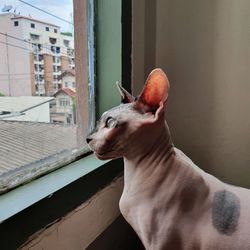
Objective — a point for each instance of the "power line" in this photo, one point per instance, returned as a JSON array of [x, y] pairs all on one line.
[[14, 37], [48, 13], [30, 43], [19, 47], [17, 74], [23, 78]]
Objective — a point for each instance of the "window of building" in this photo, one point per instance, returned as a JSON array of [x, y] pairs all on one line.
[[34, 37], [47, 28], [66, 43], [53, 49], [40, 58], [52, 40], [55, 30], [32, 25], [66, 84], [64, 102], [16, 23]]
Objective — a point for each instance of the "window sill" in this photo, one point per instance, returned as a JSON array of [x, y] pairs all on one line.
[[24, 196]]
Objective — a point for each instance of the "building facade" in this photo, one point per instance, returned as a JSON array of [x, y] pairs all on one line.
[[64, 107], [68, 79], [25, 108], [33, 55]]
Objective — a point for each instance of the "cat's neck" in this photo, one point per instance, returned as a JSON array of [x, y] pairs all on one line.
[[149, 159], [160, 162], [155, 147]]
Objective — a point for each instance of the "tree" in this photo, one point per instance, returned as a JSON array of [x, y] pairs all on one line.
[[66, 33]]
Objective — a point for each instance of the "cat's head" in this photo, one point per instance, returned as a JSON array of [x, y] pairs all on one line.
[[134, 120]]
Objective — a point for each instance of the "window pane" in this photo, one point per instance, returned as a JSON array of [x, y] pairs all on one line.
[[39, 89]]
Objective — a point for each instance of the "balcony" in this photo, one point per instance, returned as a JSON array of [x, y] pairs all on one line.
[[55, 50], [37, 47], [34, 37], [70, 52], [56, 60], [52, 40], [38, 58]]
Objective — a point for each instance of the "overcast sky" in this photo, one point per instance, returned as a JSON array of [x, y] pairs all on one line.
[[61, 8]]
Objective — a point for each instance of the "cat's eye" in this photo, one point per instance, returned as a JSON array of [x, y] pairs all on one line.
[[110, 122]]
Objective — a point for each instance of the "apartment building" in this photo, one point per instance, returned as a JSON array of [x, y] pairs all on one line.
[[33, 55]]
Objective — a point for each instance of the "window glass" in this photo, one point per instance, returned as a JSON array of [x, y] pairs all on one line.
[[38, 115]]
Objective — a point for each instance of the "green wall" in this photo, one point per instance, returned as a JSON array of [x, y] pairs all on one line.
[[108, 53]]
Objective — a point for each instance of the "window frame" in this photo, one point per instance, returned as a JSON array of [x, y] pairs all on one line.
[[105, 30]]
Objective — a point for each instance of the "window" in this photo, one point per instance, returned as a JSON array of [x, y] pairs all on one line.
[[47, 28], [53, 49], [41, 138], [55, 30], [16, 23], [39, 135], [66, 84], [64, 102], [52, 40], [34, 37], [66, 43]]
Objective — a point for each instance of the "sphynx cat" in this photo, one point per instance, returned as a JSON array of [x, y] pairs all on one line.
[[170, 203]]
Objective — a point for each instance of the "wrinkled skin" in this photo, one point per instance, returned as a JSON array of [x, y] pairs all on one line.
[[167, 199]]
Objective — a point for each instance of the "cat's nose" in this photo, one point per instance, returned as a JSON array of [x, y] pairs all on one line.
[[88, 139]]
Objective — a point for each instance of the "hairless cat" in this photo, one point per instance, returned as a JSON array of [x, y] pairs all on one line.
[[169, 201]]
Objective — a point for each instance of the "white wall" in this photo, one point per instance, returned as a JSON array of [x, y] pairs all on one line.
[[64, 109], [204, 48], [70, 80], [38, 114], [83, 225], [17, 59]]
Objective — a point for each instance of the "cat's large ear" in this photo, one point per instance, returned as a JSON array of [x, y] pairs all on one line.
[[126, 96], [155, 90]]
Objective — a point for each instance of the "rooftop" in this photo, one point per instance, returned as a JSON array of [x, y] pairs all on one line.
[[29, 149], [21, 103], [68, 72], [34, 20], [14, 16], [66, 91]]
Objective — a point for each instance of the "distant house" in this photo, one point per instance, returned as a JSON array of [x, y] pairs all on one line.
[[68, 79], [25, 108], [64, 109]]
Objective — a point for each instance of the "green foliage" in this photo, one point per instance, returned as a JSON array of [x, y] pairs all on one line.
[[66, 33], [1, 94]]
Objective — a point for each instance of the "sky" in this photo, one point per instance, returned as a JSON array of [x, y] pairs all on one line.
[[60, 8]]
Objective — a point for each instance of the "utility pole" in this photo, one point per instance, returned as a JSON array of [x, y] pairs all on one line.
[[8, 63]]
